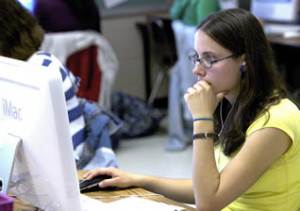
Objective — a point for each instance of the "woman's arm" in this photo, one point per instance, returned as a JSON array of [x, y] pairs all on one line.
[[213, 190], [176, 189]]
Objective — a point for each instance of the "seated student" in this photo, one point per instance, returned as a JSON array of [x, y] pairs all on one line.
[[21, 38], [246, 130]]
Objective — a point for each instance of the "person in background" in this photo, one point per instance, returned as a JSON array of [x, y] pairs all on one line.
[[67, 15], [246, 137], [21, 38], [185, 14]]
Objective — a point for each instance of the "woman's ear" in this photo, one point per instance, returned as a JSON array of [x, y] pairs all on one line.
[[243, 57], [242, 69], [244, 64]]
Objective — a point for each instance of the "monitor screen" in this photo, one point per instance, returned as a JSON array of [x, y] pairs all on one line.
[[227, 4], [33, 108], [28, 4], [276, 10]]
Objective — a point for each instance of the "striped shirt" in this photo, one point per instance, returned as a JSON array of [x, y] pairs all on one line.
[[70, 84]]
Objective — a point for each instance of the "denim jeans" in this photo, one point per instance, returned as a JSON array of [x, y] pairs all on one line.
[[181, 78]]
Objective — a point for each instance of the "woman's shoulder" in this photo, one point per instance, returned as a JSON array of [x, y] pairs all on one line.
[[49, 60], [284, 115], [45, 59], [40, 55], [285, 104], [283, 109]]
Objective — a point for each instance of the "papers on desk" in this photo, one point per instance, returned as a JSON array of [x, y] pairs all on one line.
[[90, 204], [136, 204], [131, 203]]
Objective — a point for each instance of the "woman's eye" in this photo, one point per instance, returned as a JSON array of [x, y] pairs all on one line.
[[211, 58]]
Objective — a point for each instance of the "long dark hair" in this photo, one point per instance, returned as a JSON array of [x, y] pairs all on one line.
[[20, 34], [261, 84]]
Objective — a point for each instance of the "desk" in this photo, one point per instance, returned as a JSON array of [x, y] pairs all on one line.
[[19, 205], [159, 52], [289, 42]]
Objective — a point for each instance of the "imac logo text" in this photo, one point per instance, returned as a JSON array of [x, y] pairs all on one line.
[[10, 110]]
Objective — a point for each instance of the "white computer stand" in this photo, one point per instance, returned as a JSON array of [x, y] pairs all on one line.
[[9, 145]]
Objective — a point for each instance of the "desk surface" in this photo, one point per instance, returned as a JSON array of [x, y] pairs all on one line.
[[281, 40], [20, 205]]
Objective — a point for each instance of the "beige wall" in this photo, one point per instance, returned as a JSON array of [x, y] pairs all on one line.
[[127, 43]]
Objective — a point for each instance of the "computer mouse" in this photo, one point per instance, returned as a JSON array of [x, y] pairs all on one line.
[[93, 184]]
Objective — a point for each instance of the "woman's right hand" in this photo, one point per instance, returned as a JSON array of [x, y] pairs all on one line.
[[202, 100], [121, 179]]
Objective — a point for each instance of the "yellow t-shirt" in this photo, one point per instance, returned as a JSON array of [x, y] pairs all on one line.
[[278, 189]]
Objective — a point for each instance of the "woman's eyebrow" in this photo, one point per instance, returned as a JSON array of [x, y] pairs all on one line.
[[206, 53], [209, 53]]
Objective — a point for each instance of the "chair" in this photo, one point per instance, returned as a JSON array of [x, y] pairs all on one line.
[[163, 50], [159, 47], [88, 55], [84, 64]]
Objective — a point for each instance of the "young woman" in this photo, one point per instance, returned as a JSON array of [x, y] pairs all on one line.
[[246, 150]]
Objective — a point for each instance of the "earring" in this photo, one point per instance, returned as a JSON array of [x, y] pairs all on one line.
[[243, 66]]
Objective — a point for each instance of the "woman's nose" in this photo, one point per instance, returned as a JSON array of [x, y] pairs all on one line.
[[199, 70]]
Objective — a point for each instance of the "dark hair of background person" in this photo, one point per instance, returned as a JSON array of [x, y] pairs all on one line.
[[20, 36], [240, 32], [67, 15]]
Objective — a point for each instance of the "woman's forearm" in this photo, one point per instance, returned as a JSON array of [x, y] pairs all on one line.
[[205, 173], [176, 189]]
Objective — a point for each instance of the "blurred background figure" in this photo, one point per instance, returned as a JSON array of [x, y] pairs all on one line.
[[73, 35], [185, 14]]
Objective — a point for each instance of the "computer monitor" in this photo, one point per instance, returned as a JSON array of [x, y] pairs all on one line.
[[33, 109], [228, 4], [276, 10]]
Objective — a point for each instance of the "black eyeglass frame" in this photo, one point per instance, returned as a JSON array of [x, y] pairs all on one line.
[[195, 58]]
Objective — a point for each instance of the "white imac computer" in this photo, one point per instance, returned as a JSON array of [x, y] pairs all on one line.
[[285, 11], [33, 110]]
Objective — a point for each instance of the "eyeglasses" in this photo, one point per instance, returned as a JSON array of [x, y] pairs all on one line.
[[207, 61]]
